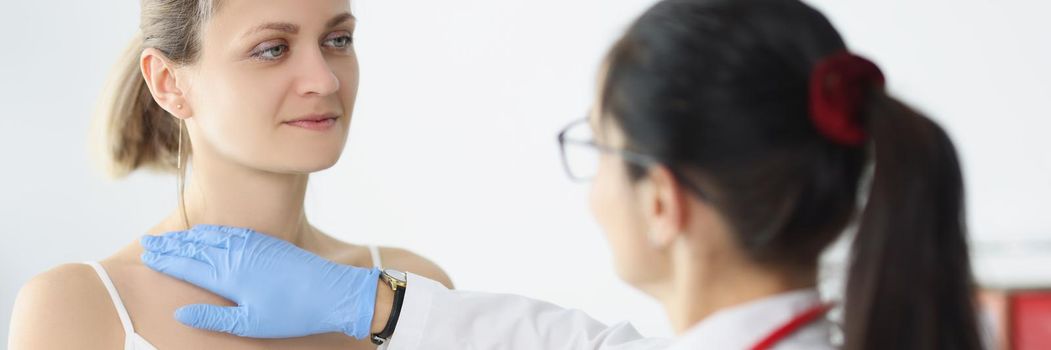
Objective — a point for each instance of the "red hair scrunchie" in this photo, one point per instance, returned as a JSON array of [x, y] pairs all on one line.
[[838, 85]]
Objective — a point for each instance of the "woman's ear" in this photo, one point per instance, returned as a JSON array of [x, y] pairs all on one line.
[[666, 206], [160, 76]]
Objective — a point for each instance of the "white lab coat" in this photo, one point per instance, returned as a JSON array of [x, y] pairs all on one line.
[[436, 318]]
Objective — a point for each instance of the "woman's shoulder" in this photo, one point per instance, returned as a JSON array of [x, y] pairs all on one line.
[[391, 257], [70, 300], [408, 261]]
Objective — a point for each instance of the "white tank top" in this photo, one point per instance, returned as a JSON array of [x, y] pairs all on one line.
[[134, 341]]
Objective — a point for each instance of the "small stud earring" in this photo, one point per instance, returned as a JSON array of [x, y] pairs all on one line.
[[178, 107]]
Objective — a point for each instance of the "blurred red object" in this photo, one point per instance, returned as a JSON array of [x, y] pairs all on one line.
[[1020, 319]]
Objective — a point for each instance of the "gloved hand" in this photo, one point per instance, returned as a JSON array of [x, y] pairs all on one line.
[[281, 291]]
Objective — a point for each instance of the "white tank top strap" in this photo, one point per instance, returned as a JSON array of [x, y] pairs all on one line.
[[132, 340], [377, 261], [125, 320]]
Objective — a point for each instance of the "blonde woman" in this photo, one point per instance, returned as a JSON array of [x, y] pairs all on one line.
[[254, 96]]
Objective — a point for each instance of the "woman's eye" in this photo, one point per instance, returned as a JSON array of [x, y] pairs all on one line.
[[270, 53], [342, 41]]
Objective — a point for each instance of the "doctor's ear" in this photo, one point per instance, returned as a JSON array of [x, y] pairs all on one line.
[[665, 205], [164, 83]]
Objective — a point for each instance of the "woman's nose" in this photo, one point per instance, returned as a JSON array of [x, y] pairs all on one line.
[[316, 77]]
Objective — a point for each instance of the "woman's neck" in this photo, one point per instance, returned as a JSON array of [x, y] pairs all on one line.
[[702, 288], [228, 194]]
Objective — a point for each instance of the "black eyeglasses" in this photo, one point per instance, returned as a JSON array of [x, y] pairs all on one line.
[[580, 152], [581, 155]]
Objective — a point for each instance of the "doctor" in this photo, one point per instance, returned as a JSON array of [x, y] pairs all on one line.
[[726, 149]]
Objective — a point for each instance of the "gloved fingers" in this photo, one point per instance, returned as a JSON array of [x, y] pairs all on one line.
[[183, 268], [170, 246], [214, 318], [203, 232], [212, 235]]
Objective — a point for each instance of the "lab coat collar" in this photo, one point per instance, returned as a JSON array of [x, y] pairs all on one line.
[[742, 326]]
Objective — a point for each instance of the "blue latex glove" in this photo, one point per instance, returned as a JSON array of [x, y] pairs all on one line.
[[281, 291]]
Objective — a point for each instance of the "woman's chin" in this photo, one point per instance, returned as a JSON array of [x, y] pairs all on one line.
[[307, 164]]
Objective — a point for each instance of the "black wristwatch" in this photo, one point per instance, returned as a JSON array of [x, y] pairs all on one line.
[[396, 280]]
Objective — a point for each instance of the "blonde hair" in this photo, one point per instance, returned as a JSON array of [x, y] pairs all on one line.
[[131, 130]]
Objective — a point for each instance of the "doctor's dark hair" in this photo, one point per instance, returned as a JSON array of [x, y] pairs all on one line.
[[717, 91], [133, 131]]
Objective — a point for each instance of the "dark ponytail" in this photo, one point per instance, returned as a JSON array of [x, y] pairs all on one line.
[[719, 92], [910, 284]]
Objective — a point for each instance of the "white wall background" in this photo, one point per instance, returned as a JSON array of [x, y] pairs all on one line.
[[452, 151]]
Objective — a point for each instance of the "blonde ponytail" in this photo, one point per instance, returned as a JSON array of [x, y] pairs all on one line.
[[133, 132]]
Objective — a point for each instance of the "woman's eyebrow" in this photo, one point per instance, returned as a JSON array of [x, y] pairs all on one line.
[[339, 19], [292, 28], [278, 26]]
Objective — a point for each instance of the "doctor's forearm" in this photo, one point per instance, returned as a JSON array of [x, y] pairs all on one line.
[[434, 317], [384, 303]]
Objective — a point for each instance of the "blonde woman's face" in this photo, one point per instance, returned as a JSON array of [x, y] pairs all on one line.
[[275, 85]]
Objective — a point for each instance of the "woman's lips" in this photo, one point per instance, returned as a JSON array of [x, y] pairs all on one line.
[[318, 124]]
